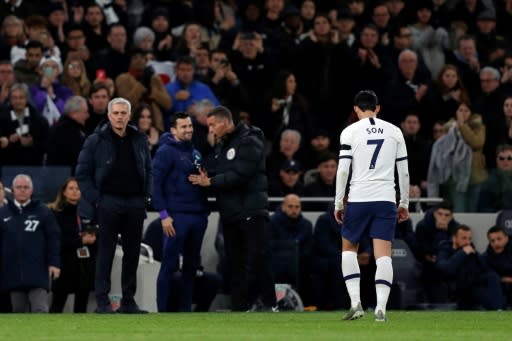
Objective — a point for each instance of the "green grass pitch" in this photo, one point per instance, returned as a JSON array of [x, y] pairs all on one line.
[[401, 325]]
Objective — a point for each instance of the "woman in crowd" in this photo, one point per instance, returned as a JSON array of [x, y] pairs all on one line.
[[143, 118], [75, 77], [78, 250]]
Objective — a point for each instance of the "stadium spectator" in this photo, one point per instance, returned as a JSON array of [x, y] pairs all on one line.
[[288, 38], [319, 143], [185, 91], [490, 46], [57, 23], [164, 41], [499, 257], [76, 46], [141, 83], [143, 39], [307, 13], [289, 145], [418, 150], [33, 26], [407, 91], [144, 119], [67, 136], [490, 105], [288, 182], [98, 101], [444, 97], [346, 26], [202, 139], [476, 284], [381, 18], [288, 227], [95, 27], [21, 9], [191, 40], [325, 263], [23, 131], [437, 225], [49, 94], [324, 184], [286, 109], [465, 59], [183, 209], [496, 193], [202, 65], [115, 177], [225, 84], [114, 59], [75, 77], [30, 248], [429, 41], [241, 166], [27, 70], [77, 251], [6, 80], [11, 34]]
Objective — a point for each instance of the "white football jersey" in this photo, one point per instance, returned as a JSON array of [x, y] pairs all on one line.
[[373, 147]]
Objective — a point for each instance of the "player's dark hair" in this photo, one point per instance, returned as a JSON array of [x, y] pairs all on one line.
[[366, 100], [177, 116]]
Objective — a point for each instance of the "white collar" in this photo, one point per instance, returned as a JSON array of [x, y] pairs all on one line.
[[20, 206], [14, 117]]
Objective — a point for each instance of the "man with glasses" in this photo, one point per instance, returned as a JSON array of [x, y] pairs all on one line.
[[496, 193], [30, 248]]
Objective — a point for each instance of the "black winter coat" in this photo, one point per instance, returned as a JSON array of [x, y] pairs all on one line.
[[240, 182]]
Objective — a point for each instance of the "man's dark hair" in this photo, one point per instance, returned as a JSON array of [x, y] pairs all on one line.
[[34, 44], [177, 116], [496, 229], [445, 205], [459, 228], [74, 27], [185, 60], [326, 156], [221, 112], [114, 25], [366, 100], [97, 87]]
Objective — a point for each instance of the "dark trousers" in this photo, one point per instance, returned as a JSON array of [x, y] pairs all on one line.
[[249, 261], [187, 242], [125, 216], [59, 300]]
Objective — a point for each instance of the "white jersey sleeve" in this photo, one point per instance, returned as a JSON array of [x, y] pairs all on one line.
[[374, 147]]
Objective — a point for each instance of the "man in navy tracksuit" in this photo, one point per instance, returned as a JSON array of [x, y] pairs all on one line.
[[30, 246], [182, 206], [114, 175]]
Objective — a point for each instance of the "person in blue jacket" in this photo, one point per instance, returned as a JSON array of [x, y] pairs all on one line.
[[30, 247], [182, 206]]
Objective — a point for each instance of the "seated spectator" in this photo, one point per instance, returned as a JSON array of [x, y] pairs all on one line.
[[27, 70], [141, 83], [324, 185], [289, 146], [67, 136], [507, 111], [163, 45], [49, 95], [437, 225], [465, 59], [78, 251], [184, 90], [115, 58], [23, 131], [30, 249], [143, 39], [319, 143], [326, 259], [476, 285], [11, 34], [499, 257], [289, 225], [496, 193], [75, 77], [144, 119], [34, 25], [288, 182], [202, 139]]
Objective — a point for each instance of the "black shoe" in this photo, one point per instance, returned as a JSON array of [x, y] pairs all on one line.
[[131, 310], [105, 309]]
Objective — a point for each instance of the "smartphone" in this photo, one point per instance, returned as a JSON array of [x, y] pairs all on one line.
[[48, 71], [101, 75]]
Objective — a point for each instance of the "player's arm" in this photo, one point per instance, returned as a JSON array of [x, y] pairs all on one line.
[[345, 159], [402, 166]]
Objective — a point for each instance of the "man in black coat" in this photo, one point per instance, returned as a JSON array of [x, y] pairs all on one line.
[[67, 136], [499, 257], [115, 176], [240, 184]]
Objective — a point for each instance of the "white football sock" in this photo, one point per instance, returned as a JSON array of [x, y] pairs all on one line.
[[351, 275], [383, 281]]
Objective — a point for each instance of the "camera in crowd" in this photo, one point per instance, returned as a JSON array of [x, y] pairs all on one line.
[[89, 226]]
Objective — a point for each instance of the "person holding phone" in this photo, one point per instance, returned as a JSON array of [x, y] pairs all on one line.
[[49, 95]]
